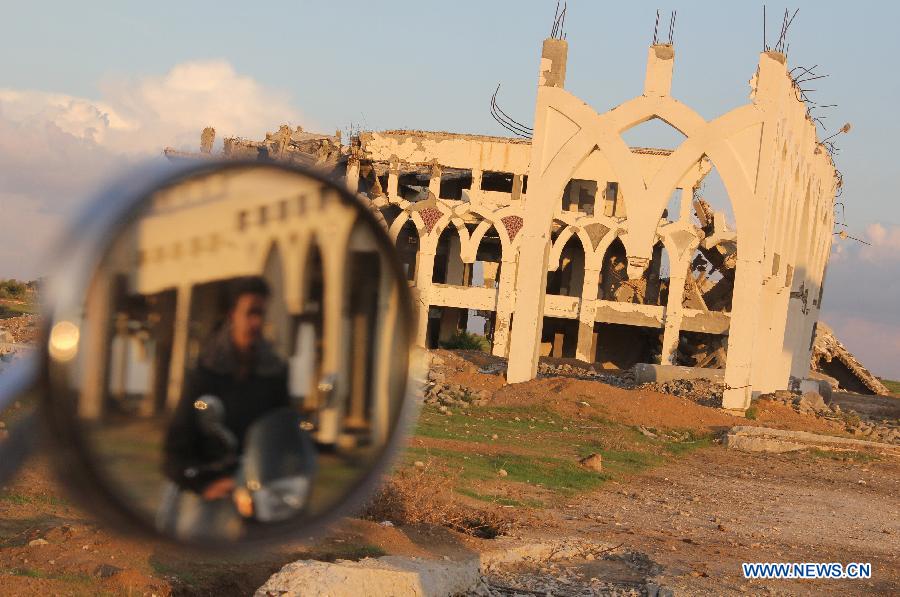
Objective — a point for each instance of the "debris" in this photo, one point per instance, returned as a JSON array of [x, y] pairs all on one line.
[[832, 358], [593, 462]]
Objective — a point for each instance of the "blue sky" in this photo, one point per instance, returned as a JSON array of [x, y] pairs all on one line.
[[154, 73]]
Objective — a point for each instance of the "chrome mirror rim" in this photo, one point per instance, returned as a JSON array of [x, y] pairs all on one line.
[[83, 252]]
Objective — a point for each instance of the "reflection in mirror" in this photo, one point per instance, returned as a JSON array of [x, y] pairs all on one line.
[[242, 357]]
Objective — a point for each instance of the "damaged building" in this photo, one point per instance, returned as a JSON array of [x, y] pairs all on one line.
[[565, 241]]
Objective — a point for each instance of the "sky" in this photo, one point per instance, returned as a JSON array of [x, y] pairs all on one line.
[[87, 92]]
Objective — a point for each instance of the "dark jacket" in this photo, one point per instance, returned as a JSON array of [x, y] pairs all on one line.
[[188, 450]]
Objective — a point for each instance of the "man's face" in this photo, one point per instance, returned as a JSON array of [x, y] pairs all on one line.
[[247, 319]]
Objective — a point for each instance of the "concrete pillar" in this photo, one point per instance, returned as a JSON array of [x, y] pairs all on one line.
[[434, 183], [183, 297], [742, 334], [587, 315], [505, 305], [424, 270], [674, 313], [660, 61], [456, 269], [393, 179], [352, 176], [534, 247]]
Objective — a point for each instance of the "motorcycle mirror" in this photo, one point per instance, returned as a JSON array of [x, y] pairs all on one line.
[[226, 353]]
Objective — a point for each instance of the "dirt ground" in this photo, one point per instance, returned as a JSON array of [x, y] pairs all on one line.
[[698, 519], [673, 506]]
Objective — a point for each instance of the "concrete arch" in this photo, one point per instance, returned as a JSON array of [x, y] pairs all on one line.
[[563, 238]]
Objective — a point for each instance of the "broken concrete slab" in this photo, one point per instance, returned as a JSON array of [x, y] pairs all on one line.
[[388, 575], [833, 359], [402, 576], [764, 439]]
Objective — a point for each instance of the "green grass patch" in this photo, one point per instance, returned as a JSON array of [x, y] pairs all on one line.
[[64, 577], [751, 413], [844, 456], [24, 499], [15, 309], [540, 449], [892, 386], [498, 499]]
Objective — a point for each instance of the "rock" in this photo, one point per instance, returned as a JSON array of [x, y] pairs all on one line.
[[389, 575], [646, 432], [502, 473], [106, 570], [812, 401], [594, 462], [419, 464], [37, 542]]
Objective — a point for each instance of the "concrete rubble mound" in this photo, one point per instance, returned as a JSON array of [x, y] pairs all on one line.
[[832, 359]]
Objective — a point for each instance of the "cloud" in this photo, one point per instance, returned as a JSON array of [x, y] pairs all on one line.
[[143, 115], [862, 297], [875, 343], [885, 242], [57, 149]]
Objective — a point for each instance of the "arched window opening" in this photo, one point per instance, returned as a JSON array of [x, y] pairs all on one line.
[[568, 278], [653, 133], [709, 283], [656, 277], [408, 248], [614, 283], [711, 197], [448, 264], [390, 214], [488, 259]]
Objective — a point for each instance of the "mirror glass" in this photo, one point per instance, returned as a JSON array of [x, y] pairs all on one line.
[[241, 357]]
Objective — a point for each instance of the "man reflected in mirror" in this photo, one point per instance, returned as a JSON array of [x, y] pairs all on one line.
[[238, 379]]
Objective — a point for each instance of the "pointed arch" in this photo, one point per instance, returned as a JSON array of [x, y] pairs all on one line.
[[567, 277]]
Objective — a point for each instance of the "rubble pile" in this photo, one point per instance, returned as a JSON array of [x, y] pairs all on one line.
[[449, 395], [810, 403], [572, 570], [624, 380], [704, 392], [21, 329]]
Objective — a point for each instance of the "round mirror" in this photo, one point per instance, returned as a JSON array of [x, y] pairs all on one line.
[[230, 361]]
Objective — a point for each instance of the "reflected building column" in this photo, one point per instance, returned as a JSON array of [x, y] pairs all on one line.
[[96, 347], [183, 298], [384, 344]]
